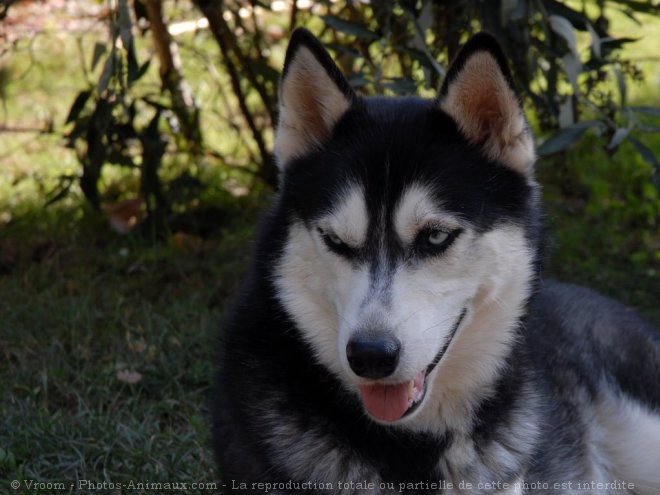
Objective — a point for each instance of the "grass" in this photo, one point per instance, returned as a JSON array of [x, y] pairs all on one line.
[[78, 308], [83, 309]]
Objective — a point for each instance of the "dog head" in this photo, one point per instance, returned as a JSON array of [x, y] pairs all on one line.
[[411, 246]]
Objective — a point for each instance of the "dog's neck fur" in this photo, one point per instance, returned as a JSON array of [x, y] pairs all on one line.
[[474, 411], [479, 389], [468, 374]]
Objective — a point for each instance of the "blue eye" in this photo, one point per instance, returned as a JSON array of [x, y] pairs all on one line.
[[437, 237], [433, 241]]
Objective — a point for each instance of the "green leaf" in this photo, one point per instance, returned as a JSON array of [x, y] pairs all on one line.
[[621, 83], [421, 24], [572, 68], [618, 137], [655, 111], [595, 41], [565, 138], [647, 128], [108, 71], [344, 49], [610, 44], [566, 117], [133, 69], [349, 27], [565, 30], [99, 50], [630, 15], [78, 105], [125, 25], [647, 154], [576, 18], [425, 59]]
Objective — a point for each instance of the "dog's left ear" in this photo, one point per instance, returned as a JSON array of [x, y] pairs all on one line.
[[478, 93], [314, 95]]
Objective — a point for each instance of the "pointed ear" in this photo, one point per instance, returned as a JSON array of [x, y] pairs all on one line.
[[478, 93], [313, 97]]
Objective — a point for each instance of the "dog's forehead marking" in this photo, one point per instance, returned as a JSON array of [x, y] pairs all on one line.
[[349, 219], [417, 208]]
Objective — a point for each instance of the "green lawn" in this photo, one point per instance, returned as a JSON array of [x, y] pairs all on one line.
[[79, 309]]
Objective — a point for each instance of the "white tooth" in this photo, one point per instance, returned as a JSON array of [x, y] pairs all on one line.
[[411, 387]]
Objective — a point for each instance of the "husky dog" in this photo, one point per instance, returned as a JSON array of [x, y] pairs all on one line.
[[394, 335]]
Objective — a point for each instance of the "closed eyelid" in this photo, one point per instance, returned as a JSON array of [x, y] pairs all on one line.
[[347, 238]]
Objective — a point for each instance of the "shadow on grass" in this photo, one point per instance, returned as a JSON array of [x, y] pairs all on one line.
[[107, 345]]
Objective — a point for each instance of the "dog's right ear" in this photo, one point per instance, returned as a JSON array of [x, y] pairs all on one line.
[[478, 93], [313, 97]]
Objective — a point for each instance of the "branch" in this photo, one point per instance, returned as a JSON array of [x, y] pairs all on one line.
[[48, 129], [183, 101], [213, 12], [267, 99]]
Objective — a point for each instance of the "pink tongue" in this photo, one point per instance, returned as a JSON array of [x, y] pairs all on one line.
[[385, 402], [390, 402]]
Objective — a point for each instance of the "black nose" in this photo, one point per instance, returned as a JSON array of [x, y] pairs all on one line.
[[373, 356]]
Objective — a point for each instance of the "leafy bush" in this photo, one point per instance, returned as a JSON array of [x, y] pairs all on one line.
[[399, 47], [567, 92]]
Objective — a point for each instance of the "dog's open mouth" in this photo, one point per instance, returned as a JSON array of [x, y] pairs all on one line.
[[391, 402]]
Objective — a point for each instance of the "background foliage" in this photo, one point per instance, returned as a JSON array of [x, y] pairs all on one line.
[[136, 146]]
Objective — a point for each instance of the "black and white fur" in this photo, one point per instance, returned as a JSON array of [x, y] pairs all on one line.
[[419, 222]]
